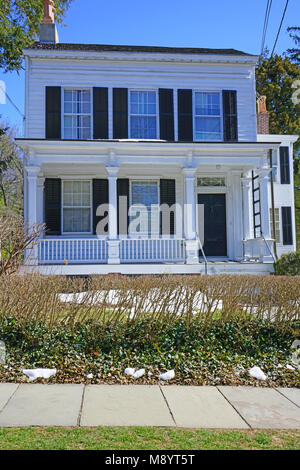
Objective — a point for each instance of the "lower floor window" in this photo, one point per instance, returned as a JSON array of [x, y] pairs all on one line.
[[144, 209], [76, 207], [277, 225]]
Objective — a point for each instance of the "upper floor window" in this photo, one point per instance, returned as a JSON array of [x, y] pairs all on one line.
[[143, 114], [207, 116], [77, 114]]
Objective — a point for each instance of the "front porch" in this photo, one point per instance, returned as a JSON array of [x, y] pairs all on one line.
[[207, 188]]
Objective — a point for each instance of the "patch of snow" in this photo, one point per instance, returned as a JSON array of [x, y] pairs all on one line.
[[34, 374], [169, 375], [139, 373], [257, 373], [129, 371]]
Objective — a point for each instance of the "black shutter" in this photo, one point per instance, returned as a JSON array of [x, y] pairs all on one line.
[[53, 112], [100, 109], [166, 114], [185, 116], [100, 196], [230, 116], [120, 113], [287, 228], [123, 205], [168, 197], [284, 165], [52, 206]]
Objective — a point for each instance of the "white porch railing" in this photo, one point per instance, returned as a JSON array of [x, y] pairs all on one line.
[[152, 250], [72, 251], [95, 251]]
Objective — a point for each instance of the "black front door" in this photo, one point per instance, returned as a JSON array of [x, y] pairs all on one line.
[[215, 242]]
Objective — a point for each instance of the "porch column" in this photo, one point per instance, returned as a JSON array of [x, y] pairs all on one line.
[[192, 244], [237, 211], [113, 242], [246, 185], [31, 255]]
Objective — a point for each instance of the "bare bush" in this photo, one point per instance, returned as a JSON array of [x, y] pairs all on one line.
[[15, 238], [160, 300]]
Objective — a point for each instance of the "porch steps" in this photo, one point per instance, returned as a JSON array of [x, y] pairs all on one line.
[[214, 267]]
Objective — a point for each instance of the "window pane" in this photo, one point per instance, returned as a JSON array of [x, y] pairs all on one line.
[[76, 220], [210, 181], [143, 127], [207, 104], [207, 128], [145, 193]]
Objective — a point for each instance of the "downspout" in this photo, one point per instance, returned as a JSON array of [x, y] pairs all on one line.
[[272, 204]]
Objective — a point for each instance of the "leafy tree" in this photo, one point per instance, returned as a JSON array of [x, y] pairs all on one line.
[[294, 52], [19, 27], [278, 79]]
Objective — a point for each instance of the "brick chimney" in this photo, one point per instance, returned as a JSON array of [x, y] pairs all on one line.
[[262, 116], [48, 31]]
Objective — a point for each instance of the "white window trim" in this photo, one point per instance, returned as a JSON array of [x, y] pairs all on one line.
[[219, 92], [91, 114], [144, 180], [157, 110], [85, 207]]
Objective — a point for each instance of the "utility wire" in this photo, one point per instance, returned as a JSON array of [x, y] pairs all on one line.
[[11, 101], [283, 15], [265, 27]]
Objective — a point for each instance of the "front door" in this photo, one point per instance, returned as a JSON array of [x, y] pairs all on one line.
[[215, 241]]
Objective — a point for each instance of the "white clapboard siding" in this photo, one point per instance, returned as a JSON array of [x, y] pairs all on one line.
[[133, 74]]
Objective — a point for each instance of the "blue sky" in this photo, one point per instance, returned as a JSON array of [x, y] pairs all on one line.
[[234, 24]]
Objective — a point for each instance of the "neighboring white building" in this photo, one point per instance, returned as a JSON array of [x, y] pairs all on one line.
[[140, 127]]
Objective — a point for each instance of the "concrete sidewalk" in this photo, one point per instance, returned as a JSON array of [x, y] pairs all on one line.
[[149, 405]]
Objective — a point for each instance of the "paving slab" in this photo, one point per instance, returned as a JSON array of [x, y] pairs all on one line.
[[263, 408], [6, 391], [43, 405], [201, 407], [125, 405], [293, 394]]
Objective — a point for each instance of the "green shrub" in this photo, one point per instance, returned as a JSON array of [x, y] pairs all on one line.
[[288, 264]]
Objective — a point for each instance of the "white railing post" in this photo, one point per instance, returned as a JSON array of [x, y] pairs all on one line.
[[113, 241]]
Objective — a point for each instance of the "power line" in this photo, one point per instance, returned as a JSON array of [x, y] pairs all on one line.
[[11, 101], [265, 27], [283, 15]]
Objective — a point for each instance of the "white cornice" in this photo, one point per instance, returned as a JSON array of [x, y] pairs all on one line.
[[127, 146]]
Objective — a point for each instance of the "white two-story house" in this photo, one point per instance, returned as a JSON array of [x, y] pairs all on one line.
[[147, 160]]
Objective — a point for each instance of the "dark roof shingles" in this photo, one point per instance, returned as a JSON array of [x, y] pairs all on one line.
[[123, 48]]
